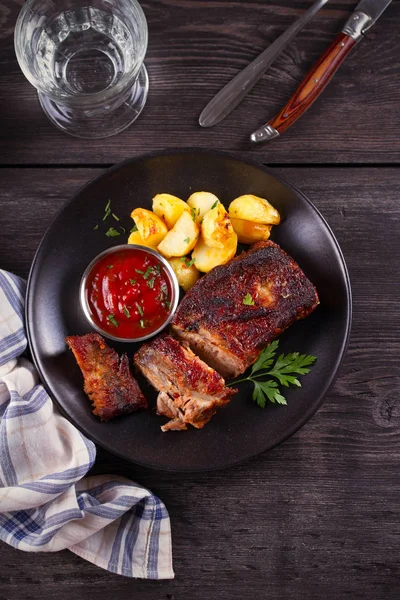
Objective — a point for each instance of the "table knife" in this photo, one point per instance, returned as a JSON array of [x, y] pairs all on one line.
[[233, 92], [365, 15]]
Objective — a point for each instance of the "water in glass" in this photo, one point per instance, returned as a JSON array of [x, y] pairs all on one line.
[[84, 51], [86, 62]]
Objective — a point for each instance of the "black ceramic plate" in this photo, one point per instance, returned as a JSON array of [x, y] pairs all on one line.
[[242, 429]]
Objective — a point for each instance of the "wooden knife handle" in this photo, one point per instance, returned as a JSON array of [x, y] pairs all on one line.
[[309, 90]]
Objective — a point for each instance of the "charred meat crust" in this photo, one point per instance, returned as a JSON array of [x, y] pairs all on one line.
[[195, 388], [107, 378], [228, 333], [217, 323]]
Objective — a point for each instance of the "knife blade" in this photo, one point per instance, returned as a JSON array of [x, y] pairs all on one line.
[[361, 20], [233, 92]]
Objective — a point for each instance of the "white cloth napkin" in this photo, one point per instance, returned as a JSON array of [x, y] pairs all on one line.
[[46, 503]]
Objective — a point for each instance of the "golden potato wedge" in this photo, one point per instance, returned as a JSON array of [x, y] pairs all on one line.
[[216, 227], [253, 208], [152, 229], [136, 238], [206, 258], [182, 238], [249, 232], [169, 208], [187, 276], [202, 202]]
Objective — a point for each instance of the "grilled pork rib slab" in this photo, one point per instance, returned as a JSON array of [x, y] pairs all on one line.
[[190, 390], [218, 320], [107, 379]]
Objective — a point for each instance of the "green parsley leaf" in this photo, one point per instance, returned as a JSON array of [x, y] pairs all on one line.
[[112, 320], [148, 272], [112, 232], [248, 300], [126, 311], [193, 212], [267, 390], [142, 325], [150, 282], [133, 281], [168, 304], [140, 272], [291, 363], [140, 309], [186, 240], [266, 357], [215, 204], [115, 216], [188, 262], [107, 210], [122, 229], [95, 227], [134, 228], [278, 371], [110, 266]]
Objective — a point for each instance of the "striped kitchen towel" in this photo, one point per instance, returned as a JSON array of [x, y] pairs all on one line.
[[46, 502]]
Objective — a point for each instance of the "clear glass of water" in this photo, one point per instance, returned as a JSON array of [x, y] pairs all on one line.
[[85, 58]]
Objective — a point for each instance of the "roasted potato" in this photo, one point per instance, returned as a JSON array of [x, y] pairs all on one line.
[[249, 232], [136, 238], [206, 258], [253, 208], [169, 208], [151, 228], [216, 227], [187, 276], [202, 202], [182, 238]]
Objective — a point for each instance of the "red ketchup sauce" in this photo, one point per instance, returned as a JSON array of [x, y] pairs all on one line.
[[129, 294]]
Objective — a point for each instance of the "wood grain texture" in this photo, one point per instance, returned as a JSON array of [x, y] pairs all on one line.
[[318, 516], [197, 46], [314, 83]]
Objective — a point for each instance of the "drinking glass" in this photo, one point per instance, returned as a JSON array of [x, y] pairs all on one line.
[[85, 58]]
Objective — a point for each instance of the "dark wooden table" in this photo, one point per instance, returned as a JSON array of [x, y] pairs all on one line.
[[317, 517]]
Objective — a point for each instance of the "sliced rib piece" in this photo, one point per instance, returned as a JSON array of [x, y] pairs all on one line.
[[107, 379], [220, 323], [190, 390], [166, 407]]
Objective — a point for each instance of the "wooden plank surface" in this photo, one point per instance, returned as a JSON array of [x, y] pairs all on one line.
[[195, 47], [317, 517]]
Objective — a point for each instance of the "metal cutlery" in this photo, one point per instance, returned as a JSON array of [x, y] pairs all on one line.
[[233, 93], [362, 19]]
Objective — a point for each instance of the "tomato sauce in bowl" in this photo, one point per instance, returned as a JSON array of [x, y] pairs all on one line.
[[129, 293]]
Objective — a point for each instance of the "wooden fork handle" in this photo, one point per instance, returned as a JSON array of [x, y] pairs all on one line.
[[309, 90]]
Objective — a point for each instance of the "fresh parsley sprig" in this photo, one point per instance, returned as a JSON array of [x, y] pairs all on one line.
[[285, 369], [248, 300], [112, 320], [111, 231]]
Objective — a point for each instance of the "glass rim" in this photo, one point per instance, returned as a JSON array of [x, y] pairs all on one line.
[[97, 99]]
